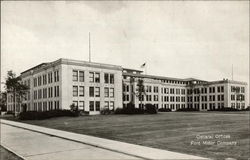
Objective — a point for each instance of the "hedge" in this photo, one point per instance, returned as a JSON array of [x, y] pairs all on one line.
[[164, 110], [225, 109], [35, 115], [187, 110]]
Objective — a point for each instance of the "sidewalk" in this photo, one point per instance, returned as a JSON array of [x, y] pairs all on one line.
[[34, 142]]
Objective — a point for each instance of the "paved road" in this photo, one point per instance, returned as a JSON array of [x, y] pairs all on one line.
[[36, 146]]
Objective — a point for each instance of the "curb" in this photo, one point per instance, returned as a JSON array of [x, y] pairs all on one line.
[[13, 152]]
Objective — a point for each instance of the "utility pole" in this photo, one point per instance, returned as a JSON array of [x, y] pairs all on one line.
[[232, 72], [89, 49]]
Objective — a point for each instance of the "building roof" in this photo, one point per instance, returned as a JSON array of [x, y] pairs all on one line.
[[152, 76], [72, 62], [132, 70], [35, 67]]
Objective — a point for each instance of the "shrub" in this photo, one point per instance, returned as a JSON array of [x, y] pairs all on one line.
[[106, 111], [246, 109], [187, 110], [164, 110], [130, 109], [119, 111], [34, 115], [225, 109], [150, 109]]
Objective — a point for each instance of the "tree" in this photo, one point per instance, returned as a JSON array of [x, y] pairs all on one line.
[[15, 87], [3, 101], [141, 90]]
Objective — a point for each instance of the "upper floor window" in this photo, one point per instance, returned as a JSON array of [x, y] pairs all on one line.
[[75, 75], [97, 77], [81, 91], [35, 82], [111, 92], [91, 76], [75, 91], [155, 89], [106, 78], [91, 91], [106, 92], [56, 76], [44, 79], [177, 91], [81, 76], [112, 79], [97, 91]]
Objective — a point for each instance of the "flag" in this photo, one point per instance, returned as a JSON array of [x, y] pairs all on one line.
[[143, 65]]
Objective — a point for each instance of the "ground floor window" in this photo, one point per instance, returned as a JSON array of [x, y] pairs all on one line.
[[81, 105], [97, 105], [91, 105]]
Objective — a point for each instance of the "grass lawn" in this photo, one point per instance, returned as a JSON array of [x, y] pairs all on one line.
[[7, 155], [173, 131]]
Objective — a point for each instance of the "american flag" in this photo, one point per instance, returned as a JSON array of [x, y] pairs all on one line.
[[143, 65]]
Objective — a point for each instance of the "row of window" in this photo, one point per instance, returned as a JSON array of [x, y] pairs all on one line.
[[237, 89], [220, 89], [94, 105], [94, 77], [237, 105], [93, 91], [239, 97], [46, 93], [46, 78]]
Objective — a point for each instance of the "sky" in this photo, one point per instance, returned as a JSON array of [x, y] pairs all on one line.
[[182, 39]]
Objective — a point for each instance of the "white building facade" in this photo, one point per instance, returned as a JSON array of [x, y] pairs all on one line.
[[59, 84], [95, 86], [174, 93]]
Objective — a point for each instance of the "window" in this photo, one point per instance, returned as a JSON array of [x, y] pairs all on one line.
[[91, 105], [232, 97], [81, 76], [35, 94], [81, 105], [57, 91], [81, 91], [35, 82], [97, 105], [106, 104], [106, 92], [91, 76], [91, 91], [155, 97], [106, 78], [45, 93], [97, 77], [182, 91], [44, 79], [97, 91], [222, 89], [75, 91], [75, 103], [177, 91], [75, 75], [39, 81], [55, 76], [242, 90], [218, 89], [111, 106], [155, 89], [112, 79], [112, 92]]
